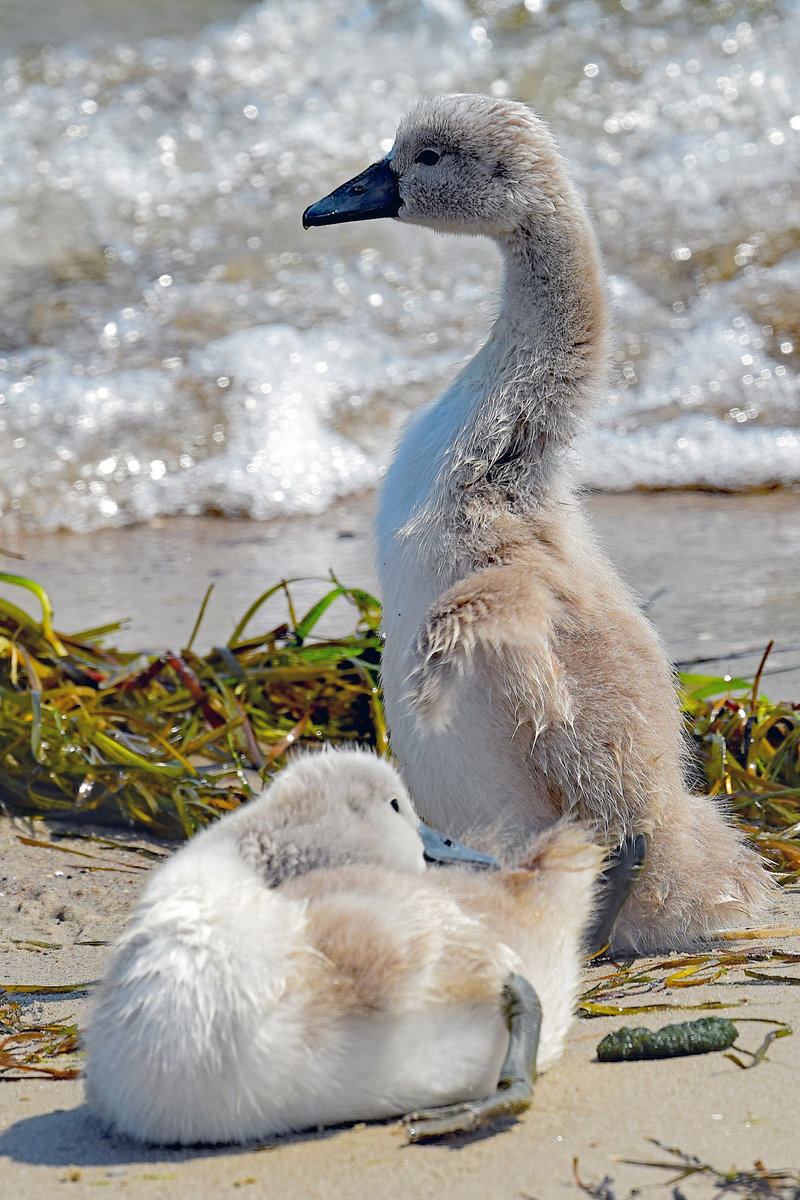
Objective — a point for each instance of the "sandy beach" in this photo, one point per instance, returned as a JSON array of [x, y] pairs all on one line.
[[584, 1112], [720, 576]]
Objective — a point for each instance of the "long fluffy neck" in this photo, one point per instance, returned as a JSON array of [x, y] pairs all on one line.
[[542, 364]]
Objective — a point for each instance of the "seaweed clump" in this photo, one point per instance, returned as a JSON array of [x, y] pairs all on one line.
[[164, 742], [748, 749], [686, 1037], [26, 1048]]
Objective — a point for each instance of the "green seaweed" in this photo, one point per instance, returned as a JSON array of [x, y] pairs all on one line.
[[748, 749], [164, 742], [161, 742], [671, 1041]]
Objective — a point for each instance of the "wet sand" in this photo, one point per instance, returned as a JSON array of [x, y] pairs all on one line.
[[720, 575]]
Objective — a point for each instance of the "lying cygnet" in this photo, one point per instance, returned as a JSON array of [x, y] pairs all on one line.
[[297, 965], [522, 681]]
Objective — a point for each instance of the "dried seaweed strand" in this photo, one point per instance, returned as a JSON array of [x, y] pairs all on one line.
[[759, 1181], [35, 1049]]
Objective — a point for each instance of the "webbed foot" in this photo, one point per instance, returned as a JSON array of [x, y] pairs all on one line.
[[625, 865], [514, 1089]]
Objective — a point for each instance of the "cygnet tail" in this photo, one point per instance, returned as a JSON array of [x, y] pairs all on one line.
[[191, 1001], [700, 879], [561, 867]]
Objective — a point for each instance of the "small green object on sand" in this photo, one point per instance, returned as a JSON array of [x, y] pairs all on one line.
[[688, 1037]]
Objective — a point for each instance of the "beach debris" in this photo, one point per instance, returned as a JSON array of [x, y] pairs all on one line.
[[699, 1036], [671, 1041], [105, 865], [757, 1056], [602, 1190], [610, 992], [757, 1183], [25, 1048], [749, 751]]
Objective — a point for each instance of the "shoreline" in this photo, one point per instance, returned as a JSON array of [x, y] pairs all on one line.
[[717, 573]]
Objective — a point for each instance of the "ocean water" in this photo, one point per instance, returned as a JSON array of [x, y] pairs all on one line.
[[172, 341]]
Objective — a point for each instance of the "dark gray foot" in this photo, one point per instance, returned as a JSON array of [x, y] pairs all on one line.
[[513, 1094], [625, 865]]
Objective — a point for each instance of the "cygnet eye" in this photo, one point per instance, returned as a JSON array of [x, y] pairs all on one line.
[[395, 805], [428, 158]]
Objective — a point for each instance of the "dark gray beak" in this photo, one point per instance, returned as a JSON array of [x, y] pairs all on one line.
[[373, 193], [443, 851]]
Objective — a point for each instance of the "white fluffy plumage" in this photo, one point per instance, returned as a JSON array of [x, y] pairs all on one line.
[[297, 965]]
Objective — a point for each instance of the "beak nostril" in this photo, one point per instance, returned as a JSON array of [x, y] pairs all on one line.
[[373, 193]]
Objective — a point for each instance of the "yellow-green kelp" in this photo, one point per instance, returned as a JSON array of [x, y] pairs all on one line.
[[164, 741]]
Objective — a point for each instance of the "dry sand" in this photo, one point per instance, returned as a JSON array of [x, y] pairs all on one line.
[[721, 574], [596, 1113]]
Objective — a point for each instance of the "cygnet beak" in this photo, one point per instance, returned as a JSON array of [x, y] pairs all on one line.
[[373, 193], [443, 851]]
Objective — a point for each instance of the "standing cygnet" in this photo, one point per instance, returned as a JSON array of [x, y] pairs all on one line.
[[297, 965], [522, 681]]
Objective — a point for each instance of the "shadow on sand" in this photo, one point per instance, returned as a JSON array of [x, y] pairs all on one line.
[[74, 1137]]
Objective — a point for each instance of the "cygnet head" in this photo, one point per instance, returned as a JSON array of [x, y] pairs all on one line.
[[330, 809], [460, 164], [335, 808]]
